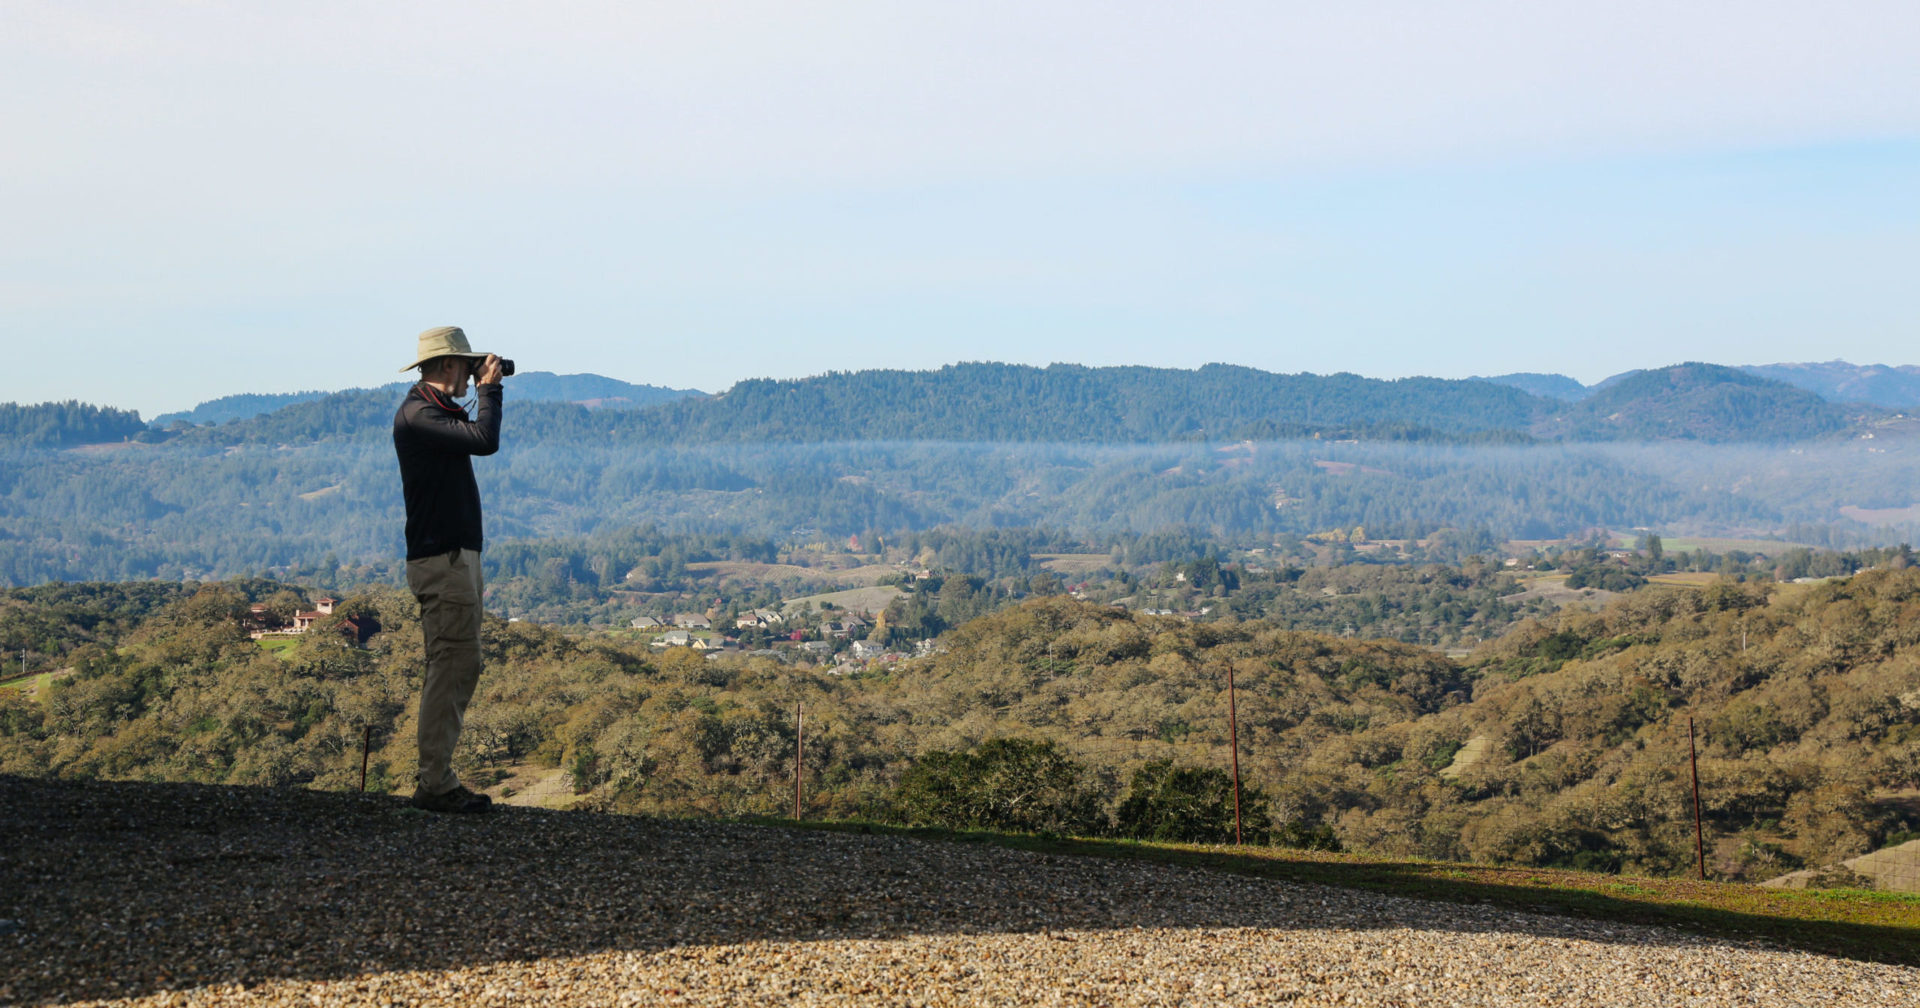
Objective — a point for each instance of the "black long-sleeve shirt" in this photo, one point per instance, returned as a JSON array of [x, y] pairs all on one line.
[[436, 444]]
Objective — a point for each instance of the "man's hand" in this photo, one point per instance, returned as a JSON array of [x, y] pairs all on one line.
[[489, 372]]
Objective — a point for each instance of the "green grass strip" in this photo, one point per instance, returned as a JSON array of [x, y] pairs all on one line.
[[1864, 925]]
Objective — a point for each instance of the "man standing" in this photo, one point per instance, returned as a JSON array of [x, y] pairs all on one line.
[[436, 442]]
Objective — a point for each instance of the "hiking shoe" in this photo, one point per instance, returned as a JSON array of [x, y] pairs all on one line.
[[457, 800]]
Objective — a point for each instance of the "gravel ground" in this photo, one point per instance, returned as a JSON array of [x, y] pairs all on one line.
[[187, 895]]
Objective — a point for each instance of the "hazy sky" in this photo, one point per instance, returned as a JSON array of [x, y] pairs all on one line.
[[206, 198]]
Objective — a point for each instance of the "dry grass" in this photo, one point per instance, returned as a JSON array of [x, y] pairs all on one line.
[[110, 448], [1687, 544], [852, 575], [855, 599], [1553, 589], [534, 787], [1475, 750], [1074, 563], [1685, 579], [1881, 516]]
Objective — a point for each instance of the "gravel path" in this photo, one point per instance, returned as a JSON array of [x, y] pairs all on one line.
[[186, 895]]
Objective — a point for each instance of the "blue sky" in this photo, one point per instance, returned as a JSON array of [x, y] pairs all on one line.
[[207, 198]]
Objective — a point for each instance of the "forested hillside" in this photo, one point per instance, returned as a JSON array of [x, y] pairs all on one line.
[[532, 386], [1835, 381], [1066, 403], [1231, 454], [1562, 743], [1075, 404], [65, 424], [1702, 402], [333, 508], [1549, 386]]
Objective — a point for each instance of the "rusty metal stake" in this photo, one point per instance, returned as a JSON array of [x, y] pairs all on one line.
[[799, 752], [1699, 841], [366, 745], [1233, 737]]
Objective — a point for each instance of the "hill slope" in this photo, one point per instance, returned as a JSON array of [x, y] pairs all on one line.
[[1071, 403], [1233, 454], [532, 386], [1699, 402], [1806, 701], [65, 424]]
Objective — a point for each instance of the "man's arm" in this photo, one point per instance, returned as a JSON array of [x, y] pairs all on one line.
[[426, 427], [440, 431]]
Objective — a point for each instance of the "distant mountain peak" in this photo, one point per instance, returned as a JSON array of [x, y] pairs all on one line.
[[1547, 386], [1891, 386], [1894, 387]]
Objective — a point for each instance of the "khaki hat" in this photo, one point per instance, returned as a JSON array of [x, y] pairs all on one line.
[[442, 341]]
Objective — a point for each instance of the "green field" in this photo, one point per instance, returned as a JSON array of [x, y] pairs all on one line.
[[34, 685], [1688, 544]]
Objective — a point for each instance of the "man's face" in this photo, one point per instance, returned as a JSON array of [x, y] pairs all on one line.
[[454, 373]]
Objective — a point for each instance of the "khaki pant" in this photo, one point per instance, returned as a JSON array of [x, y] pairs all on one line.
[[448, 587]]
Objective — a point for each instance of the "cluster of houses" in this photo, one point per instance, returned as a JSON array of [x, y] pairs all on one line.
[[839, 638]]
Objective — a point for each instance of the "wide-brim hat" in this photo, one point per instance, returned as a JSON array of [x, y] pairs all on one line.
[[442, 341]]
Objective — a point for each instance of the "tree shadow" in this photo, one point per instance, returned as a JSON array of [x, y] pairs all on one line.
[[122, 889]]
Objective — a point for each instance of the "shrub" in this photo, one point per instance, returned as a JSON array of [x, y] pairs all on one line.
[[1004, 784], [1192, 804], [1304, 835]]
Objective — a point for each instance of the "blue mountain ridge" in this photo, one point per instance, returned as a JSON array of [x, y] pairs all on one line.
[[533, 386], [1893, 387]]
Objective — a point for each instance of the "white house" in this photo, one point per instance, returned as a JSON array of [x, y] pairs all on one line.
[[757, 619]]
